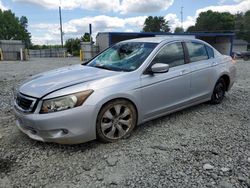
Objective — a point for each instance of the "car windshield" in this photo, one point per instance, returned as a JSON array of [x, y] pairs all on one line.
[[123, 56]]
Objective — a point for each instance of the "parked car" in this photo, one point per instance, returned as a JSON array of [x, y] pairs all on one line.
[[130, 83], [244, 55]]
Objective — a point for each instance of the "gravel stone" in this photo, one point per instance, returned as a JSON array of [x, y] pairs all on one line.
[[166, 152], [112, 161], [241, 178], [160, 147], [208, 167], [225, 184], [99, 177], [5, 182], [225, 169]]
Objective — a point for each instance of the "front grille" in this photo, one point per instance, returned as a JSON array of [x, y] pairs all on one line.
[[25, 103]]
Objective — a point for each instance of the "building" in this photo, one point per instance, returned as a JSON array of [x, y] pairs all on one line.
[[11, 49], [240, 45], [223, 42]]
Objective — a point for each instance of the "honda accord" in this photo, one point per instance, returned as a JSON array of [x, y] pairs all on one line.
[[129, 83]]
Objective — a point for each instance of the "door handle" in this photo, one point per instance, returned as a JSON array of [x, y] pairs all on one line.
[[214, 63], [183, 72]]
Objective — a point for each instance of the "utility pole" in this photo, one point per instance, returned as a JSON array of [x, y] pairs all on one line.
[[182, 18], [61, 31]]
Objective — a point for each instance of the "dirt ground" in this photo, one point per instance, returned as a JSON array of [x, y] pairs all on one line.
[[202, 146]]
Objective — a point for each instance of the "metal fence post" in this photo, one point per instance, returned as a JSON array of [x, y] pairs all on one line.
[[1, 54]]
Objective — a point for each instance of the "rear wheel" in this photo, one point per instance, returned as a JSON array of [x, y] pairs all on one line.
[[116, 120], [219, 91]]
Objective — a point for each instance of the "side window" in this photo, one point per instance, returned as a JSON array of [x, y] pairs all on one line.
[[210, 52], [171, 54], [197, 51]]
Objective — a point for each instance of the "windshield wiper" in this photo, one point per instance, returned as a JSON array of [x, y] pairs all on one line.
[[103, 67]]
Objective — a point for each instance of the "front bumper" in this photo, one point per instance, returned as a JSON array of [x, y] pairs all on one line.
[[71, 126]]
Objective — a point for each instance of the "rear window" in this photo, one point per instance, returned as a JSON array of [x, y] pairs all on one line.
[[210, 52], [197, 51]]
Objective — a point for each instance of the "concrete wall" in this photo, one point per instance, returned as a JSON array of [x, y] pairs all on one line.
[[11, 49], [102, 41], [89, 50], [222, 44], [239, 48], [52, 52]]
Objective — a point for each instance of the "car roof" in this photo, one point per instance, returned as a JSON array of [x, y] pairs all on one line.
[[162, 39]]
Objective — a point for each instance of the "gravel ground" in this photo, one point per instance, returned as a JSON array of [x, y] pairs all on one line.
[[202, 146]]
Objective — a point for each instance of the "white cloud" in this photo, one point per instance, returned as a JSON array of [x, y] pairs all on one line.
[[101, 5], [122, 6], [174, 21], [144, 6], [243, 6], [77, 27], [2, 7]]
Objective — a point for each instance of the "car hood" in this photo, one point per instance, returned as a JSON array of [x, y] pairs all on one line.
[[47, 82]]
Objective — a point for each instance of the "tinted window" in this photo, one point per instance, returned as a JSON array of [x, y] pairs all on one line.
[[210, 52], [197, 51], [171, 54]]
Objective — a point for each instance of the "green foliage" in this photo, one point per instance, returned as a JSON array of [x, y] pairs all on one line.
[[215, 22], [73, 46], [85, 37], [156, 24], [13, 28], [178, 30], [191, 29], [246, 27]]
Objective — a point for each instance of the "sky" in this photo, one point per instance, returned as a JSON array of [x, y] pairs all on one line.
[[108, 16]]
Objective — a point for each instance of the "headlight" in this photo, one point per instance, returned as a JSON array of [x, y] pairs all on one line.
[[65, 102]]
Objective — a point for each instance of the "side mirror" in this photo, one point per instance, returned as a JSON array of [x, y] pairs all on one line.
[[159, 68]]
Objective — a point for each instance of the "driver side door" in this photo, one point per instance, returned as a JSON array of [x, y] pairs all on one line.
[[164, 92]]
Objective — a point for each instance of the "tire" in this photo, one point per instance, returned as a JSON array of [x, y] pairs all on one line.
[[115, 120], [246, 58], [219, 92]]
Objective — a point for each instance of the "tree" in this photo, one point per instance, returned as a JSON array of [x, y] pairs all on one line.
[[73, 46], [156, 24], [191, 29], [215, 22], [13, 28], [246, 28], [85, 37], [178, 30]]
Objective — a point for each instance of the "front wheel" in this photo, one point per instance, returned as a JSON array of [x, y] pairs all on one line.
[[219, 92], [115, 120]]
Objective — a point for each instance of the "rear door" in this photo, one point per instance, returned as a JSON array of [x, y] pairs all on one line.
[[162, 92], [203, 70]]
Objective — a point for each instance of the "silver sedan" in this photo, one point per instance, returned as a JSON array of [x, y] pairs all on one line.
[[130, 83]]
